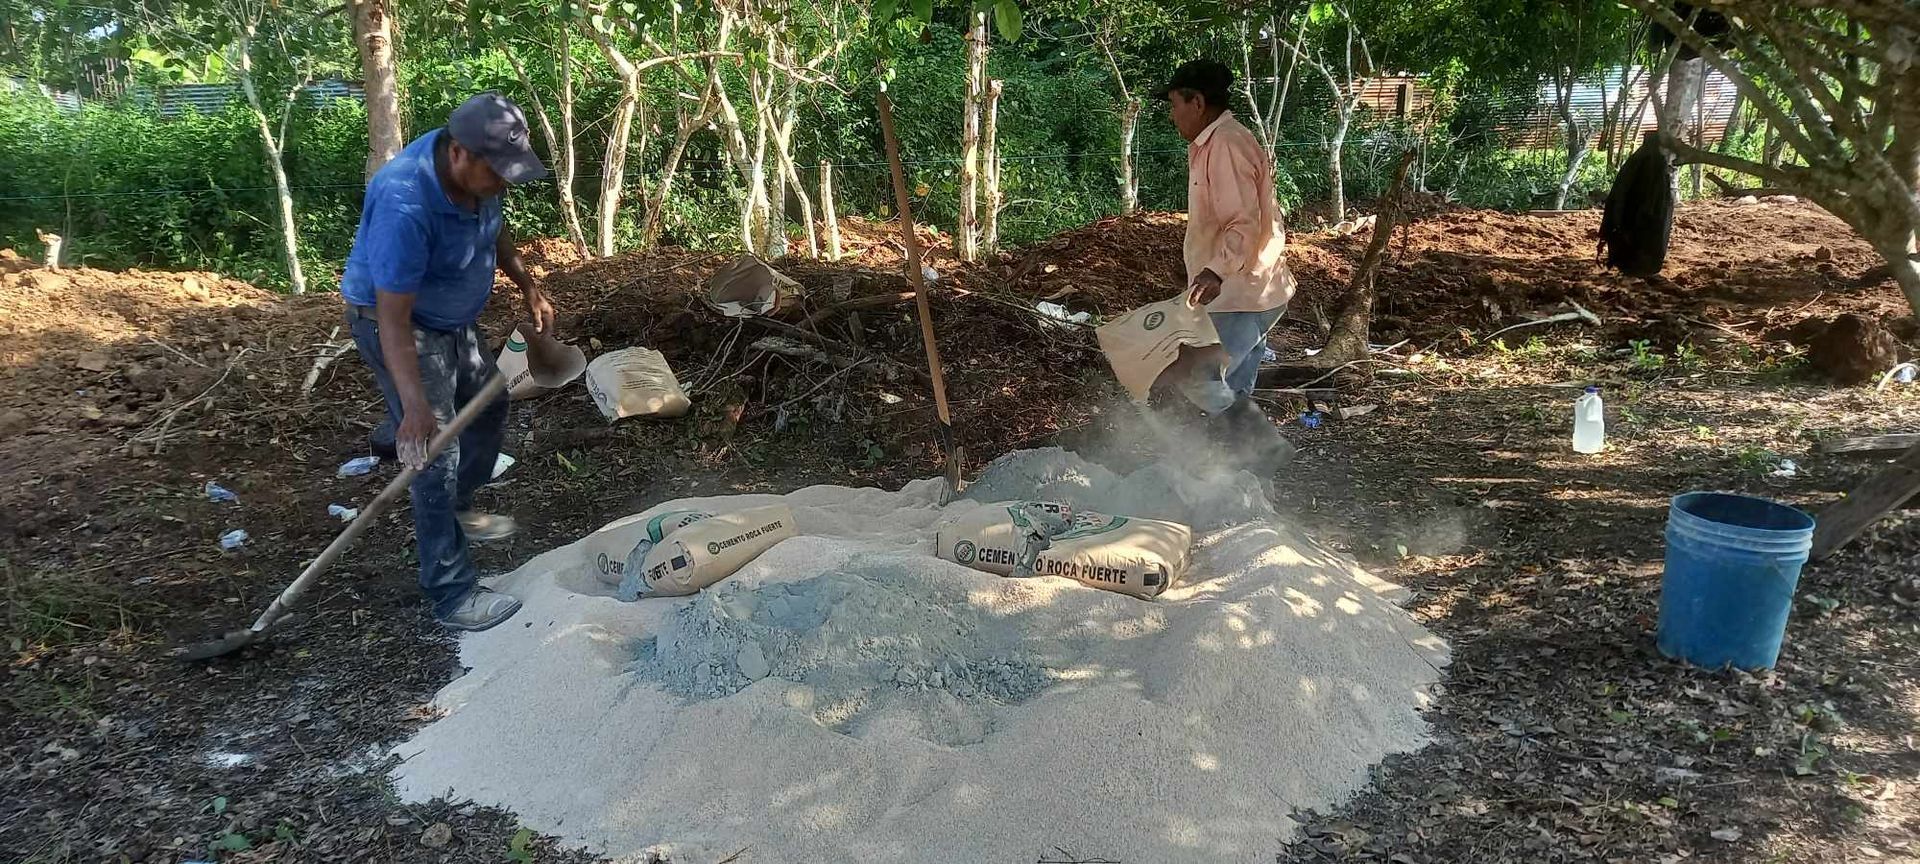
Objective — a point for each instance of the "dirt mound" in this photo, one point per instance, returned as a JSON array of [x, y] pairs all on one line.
[[1109, 266], [95, 359], [1481, 270]]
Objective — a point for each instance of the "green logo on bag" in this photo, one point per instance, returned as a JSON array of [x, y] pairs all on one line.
[[963, 552], [516, 346], [1155, 319]]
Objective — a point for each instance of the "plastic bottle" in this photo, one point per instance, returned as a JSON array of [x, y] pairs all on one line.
[[1589, 423]]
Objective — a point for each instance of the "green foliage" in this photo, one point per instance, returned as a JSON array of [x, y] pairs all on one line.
[[1754, 460], [1645, 357], [520, 846], [128, 189], [44, 609]]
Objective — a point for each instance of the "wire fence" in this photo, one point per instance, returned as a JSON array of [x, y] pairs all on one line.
[[809, 168]]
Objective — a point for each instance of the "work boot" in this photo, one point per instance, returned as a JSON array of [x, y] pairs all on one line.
[[482, 608], [1251, 433], [482, 527]]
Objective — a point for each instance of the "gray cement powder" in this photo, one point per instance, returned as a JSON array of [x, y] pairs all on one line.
[[849, 697]]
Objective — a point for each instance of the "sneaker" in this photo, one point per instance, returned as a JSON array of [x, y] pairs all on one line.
[[481, 527], [483, 608]]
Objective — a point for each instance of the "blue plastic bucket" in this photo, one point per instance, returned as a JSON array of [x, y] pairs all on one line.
[[1732, 564]]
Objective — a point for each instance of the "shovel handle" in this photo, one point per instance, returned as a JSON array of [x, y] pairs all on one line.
[[493, 389]]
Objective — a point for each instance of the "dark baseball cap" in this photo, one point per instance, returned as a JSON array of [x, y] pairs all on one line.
[[1210, 78], [493, 127]]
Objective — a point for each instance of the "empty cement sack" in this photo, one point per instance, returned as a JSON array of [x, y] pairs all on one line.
[[635, 382], [1141, 557], [701, 551], [1171, 338], [748, 286], [527, 350]]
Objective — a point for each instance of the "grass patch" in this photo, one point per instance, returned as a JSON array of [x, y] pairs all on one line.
[[45, 610]]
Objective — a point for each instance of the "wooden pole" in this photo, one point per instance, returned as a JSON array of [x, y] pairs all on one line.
[[827, 211], [943, 431], [1839, 524], [990, 154]]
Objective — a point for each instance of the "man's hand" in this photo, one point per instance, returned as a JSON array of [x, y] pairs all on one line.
[[1206, 288], [417, 426], [541, 309]]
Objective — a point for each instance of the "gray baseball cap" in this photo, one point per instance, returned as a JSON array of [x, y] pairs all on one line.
[[492, 126]]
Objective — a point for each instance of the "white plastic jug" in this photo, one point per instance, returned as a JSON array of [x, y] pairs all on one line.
[[1589, 423]]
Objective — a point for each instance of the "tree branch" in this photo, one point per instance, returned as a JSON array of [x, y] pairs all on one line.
[[1684, 33]]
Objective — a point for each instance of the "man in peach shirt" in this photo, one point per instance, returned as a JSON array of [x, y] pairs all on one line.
[[1235, 246]]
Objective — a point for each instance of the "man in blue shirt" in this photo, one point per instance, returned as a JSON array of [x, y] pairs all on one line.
[[421, 270]]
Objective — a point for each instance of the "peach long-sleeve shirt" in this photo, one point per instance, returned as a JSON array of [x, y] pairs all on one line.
[[1233, 221]]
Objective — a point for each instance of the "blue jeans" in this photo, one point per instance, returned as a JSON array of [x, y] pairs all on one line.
[[454, 366], [1243, 335]]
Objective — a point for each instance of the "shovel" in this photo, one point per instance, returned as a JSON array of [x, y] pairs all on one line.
[[239, 639]]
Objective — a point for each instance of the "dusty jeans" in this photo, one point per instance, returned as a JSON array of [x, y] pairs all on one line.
[[454, 366], [1244, 336]]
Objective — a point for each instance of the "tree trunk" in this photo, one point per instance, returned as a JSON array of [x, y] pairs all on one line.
[[969, 228], [684, 127], [1336, 177], [554, 146], [1348, 340], [1733, 119], [613, 171], [1576, 156], [283, 193], [1678, 109], [1129, 184], [990, 228], [827, 210], [790, 172], [1899, 257], [569, 161], [1576, 139], [373, 35], [756, 223]]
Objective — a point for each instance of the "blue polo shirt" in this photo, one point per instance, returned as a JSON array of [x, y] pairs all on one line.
[[414, 240]]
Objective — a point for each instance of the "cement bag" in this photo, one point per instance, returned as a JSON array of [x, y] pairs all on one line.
[[704, 551], [635, 382], [610, 552], [748, 287], [513, 364], [1133, 556], [1169, 338]]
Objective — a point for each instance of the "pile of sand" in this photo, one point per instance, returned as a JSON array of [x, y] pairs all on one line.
[[849, 697]]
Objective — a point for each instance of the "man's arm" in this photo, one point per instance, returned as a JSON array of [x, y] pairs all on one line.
[[394, 313], [507, 258]]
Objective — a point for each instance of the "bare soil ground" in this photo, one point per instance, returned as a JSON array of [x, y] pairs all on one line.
[[1562, 734]]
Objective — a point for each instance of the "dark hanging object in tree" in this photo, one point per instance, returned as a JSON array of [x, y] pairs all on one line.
[[1711, 26], [1638, 221]]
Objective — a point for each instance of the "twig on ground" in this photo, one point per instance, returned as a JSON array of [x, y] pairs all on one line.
[[182, 354], [815, 389], [1721, 327], [834, 346], [1893, 373], [169, 553], [165, 423], [329, 353], [868, 302], [1337, 369], [1579, 313]]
